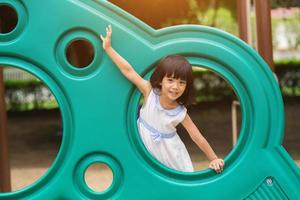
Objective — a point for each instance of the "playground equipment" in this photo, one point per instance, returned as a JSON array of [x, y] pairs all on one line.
[[99, 106]]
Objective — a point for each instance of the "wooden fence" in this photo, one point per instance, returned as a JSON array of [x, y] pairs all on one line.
[[17, 74]]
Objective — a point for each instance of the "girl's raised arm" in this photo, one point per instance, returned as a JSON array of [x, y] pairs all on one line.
[[125, 68]]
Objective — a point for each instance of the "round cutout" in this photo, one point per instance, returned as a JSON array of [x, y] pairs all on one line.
[[216, 104], [8, 19], [80, 53], [98, 177]]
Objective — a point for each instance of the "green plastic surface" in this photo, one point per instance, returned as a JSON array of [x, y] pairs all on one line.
[[99, 106]]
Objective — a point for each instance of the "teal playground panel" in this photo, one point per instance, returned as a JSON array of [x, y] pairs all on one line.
[[99, 106]]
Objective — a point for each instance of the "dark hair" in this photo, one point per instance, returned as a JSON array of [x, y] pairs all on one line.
[[179, 67]]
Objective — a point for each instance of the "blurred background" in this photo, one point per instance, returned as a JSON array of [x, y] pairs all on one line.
[[34, 123]]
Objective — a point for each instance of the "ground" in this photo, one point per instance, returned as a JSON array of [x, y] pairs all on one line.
[[35, 138]]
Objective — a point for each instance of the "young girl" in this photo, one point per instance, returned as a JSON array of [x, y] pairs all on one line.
[[170, 89]]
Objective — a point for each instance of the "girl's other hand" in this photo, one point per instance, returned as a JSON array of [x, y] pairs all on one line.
[[217, 165], [106, 41]]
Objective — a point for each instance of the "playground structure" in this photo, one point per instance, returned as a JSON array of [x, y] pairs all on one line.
[[104, 130]]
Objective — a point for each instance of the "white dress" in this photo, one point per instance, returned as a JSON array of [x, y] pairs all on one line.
[[157, 128]]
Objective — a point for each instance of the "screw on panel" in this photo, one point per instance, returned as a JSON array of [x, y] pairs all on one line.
[[269, 181]]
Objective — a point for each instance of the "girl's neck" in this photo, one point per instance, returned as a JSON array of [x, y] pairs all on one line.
[[167, 103]]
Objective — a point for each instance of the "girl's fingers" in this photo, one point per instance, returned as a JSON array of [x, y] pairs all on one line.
[[222, 161], [214, 166], [217, 169], [221, 166], [217, 166], [102, 38]]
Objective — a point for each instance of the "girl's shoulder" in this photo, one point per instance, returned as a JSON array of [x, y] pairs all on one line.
[[148, 95]]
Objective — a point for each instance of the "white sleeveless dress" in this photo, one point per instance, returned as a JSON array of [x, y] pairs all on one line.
[[157, 128]]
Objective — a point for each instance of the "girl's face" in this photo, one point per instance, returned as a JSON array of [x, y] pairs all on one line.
[[172, 88]]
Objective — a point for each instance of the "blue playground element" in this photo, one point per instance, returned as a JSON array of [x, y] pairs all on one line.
[[99, 106]]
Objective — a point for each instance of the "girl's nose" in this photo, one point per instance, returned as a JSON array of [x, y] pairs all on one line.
[[175, 85]]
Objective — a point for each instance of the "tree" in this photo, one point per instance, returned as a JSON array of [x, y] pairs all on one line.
[[285, 3], [162, 13], [214, 13]]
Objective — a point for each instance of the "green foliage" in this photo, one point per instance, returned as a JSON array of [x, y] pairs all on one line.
[[160, 14], [285, 3], [211, 87], [18, 84], [287, 65], [288, 73], [220, 14], [292, 30], [21, 95]]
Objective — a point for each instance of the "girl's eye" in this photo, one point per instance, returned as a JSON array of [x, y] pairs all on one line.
[[170, 79], [182, 82]]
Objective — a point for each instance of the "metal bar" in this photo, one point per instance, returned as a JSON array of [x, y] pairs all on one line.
[[234, 121], [5, 184], [243, 18], [264, 30]]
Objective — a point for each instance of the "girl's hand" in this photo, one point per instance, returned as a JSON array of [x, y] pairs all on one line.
[[106, 41], [217, 165]]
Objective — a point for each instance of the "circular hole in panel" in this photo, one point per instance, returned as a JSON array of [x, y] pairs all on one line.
[[98, 177], [216, 114], [8, 19], [34, 127], [80, 53]]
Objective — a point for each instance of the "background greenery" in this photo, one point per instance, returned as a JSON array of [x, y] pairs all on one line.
[[210, 87], [33, 94]]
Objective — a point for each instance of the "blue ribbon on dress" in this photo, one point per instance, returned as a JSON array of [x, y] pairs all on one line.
[[156, 135]]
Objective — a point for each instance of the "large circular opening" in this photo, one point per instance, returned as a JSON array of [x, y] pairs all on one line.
[[34, 127], [216, 114], [8, 19]]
